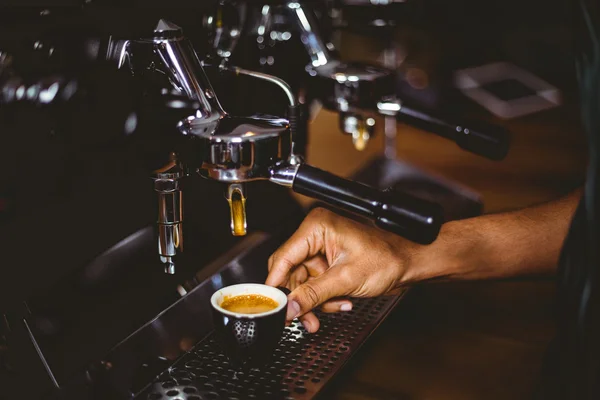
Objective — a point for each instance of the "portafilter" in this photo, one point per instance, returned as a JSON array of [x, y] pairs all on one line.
[[236, 150]]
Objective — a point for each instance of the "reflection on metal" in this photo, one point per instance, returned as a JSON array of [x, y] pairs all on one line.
[[225, 24], [106, 261], [181, 290], [313, 42], [170, 213], [389, 106], [170, 53], [360, 138], [233, 156], [217, 281], [41, 355], [359, 128], [284, 173]]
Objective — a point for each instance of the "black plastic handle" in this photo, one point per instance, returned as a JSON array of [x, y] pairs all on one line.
[[487, 140], [415, 219]]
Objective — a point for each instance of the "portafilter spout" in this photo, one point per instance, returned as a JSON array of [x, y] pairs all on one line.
[[245, 149]]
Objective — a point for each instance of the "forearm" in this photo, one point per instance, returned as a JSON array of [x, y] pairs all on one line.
[[524, 242]]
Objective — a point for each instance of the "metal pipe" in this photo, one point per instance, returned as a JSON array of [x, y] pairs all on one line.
[[266, 77]]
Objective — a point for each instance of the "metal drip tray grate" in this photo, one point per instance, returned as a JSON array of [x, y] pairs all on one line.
[[302, 364]]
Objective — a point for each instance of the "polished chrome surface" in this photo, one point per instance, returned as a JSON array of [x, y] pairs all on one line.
[[170, 214], [306, 23], [120, 52], [170, 240], [44, 91], [170, 53], [354, 85], [240, 149], [184, 68], [264, 24], [295, 159], [359, 127], [352, 74], [225, 24], [389, 106], [284, 173]]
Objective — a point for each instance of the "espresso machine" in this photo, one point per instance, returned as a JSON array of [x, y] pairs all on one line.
[[133, 133], [293, 40]]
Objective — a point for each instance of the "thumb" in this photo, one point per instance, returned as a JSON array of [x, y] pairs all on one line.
[[317, 291]]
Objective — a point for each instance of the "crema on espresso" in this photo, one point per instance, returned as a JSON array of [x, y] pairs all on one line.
[[249, 304]]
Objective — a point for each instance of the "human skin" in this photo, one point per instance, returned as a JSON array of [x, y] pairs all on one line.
[[330, 258]]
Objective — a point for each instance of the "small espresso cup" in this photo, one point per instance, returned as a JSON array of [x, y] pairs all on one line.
[[249, 340]]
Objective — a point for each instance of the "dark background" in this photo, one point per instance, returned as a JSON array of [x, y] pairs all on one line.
[[533, 34]]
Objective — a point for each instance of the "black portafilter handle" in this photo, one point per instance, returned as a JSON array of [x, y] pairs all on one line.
[[415, 219], [487, 140]]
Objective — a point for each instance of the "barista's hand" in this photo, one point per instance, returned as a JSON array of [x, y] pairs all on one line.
[[330, 257]]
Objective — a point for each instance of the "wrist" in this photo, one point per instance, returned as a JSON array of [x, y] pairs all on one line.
[[447, 258]]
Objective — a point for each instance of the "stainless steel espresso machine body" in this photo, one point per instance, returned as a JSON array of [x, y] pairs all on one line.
[[235, 150], [286, 38], [79, 145]]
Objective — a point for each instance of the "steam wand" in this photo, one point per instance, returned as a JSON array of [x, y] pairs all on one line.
[[293, 110]]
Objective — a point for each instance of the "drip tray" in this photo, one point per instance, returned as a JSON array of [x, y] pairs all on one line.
[[302, 364]]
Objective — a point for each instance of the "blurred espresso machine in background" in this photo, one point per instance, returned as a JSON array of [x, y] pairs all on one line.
[[150, 157]]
